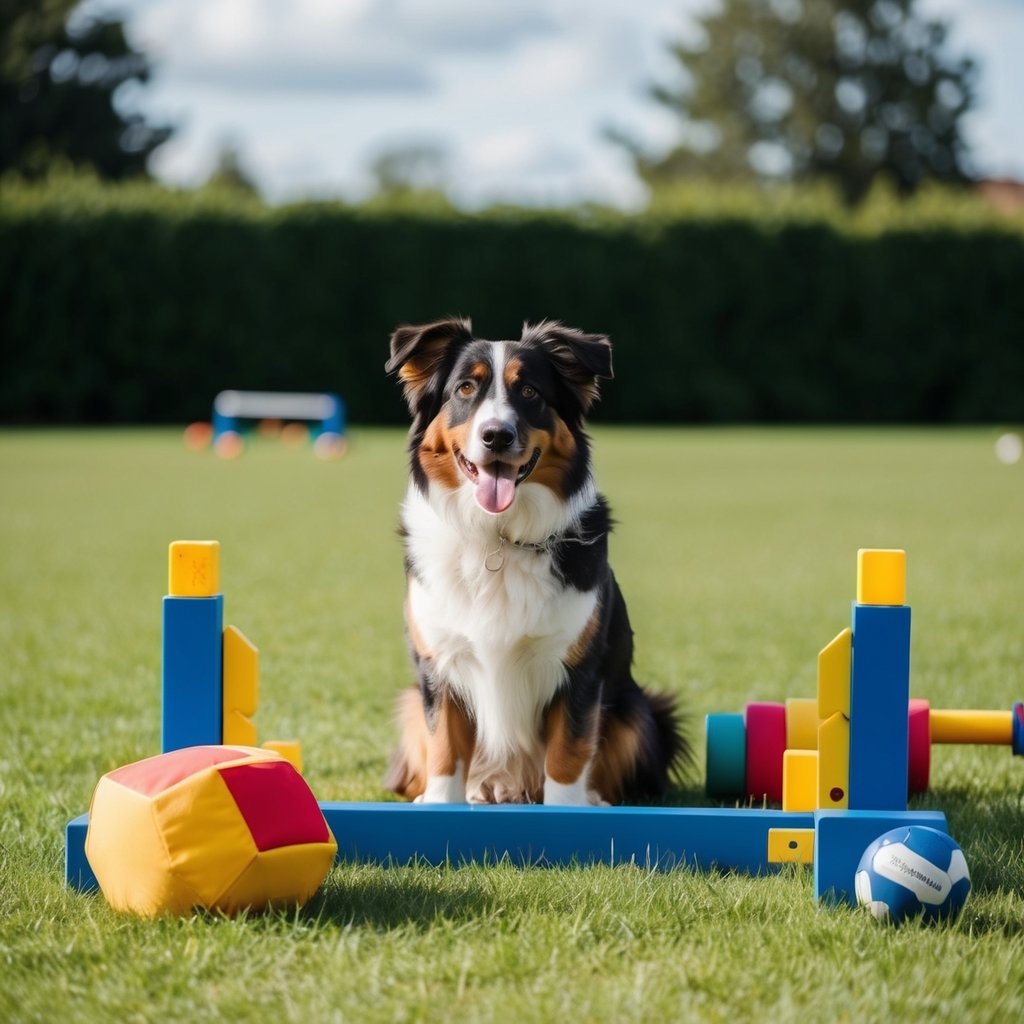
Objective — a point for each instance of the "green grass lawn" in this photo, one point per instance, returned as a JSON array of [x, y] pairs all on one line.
[[736, 550]]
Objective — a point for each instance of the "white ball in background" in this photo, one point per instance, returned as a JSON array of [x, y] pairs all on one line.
[[1009, 448]]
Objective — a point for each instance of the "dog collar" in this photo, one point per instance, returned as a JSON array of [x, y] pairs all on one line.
[[496, 559]]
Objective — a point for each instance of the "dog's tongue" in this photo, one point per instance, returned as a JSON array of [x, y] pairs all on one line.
[[496, 487]]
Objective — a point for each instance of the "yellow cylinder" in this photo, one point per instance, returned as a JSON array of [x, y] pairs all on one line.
[[971, 726]]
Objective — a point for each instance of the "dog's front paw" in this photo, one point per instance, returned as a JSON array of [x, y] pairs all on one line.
[[573, 794], [443, 789]]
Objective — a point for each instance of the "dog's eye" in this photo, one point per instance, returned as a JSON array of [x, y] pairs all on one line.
[[528, 391], [466, 388]]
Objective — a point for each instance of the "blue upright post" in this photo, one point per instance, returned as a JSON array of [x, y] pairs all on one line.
[[192, 656], [840, 839], [879, 696]]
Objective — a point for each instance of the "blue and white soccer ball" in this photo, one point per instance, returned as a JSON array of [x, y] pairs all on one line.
[[913, 870]]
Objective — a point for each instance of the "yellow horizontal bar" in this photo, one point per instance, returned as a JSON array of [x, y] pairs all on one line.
[[971, 726]]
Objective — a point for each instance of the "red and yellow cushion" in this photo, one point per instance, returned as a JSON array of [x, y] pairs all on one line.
[[221, 828]]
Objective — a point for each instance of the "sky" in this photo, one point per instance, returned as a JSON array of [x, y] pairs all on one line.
[[519, 95]]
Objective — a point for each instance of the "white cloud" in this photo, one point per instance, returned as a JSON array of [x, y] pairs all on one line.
[[518, 92]]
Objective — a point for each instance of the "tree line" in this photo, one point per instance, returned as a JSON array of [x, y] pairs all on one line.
[[842, 91]]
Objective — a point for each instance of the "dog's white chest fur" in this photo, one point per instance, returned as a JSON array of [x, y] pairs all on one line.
[[495, 619]]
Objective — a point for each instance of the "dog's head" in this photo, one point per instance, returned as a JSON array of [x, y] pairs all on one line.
[[492, 415]]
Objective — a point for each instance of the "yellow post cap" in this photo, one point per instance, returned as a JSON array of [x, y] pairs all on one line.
[[881, 576], [194, 568]]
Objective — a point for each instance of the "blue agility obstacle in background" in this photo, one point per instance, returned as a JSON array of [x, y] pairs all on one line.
[[325, 411]]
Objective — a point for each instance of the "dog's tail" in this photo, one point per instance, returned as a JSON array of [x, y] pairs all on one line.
[[407, 774], [644, 748], [676, 753]]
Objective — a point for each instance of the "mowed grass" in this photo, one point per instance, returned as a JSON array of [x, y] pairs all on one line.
[[736, 551]]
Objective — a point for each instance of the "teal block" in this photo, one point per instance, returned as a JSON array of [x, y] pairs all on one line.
[[879, 695], [193, 712], [840, 839], [77, 872], [662, 837], [726, 758]]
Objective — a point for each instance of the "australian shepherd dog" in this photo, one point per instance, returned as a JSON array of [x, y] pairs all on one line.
[[516, 626]]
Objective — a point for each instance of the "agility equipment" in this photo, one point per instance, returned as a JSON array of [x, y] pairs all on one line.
[[821, 831], [210, 675], [913, 872], [727, 742], [325, 412], [213, 827], [862, 740]]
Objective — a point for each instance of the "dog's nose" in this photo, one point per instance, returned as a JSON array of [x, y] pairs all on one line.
[[497, 435]]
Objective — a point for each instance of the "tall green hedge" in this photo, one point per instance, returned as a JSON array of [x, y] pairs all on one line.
[[136, 305]]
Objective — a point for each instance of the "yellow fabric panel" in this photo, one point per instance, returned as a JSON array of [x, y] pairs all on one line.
[[127, 854], [207, 841], [286, 876]]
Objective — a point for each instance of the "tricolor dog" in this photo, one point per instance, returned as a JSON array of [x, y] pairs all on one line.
[[516, 626]]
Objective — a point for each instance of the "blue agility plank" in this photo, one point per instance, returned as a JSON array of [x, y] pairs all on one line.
[[662, 837], [879, 695], [192, 671], [840, 839], [77, 872]]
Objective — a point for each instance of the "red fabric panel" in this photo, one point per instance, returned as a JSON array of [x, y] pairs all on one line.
[[277, 805], [156, 774]]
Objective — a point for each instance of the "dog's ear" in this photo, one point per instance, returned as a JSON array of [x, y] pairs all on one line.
[[417, 353], [582, 359]]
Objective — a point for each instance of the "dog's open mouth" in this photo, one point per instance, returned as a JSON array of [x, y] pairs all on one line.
[[495, 484]]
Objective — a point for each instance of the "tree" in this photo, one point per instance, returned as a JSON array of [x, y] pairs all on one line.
[[803, 89], [230, 173], [413, 174], [59, 78]]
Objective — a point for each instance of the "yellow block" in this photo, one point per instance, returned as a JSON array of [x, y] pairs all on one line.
[[800, 780], [834, 676], [801, 723], [971, 726], [881, 576], [239, 729], [834, 763], [241, 673], [291, 750], [791, 846], [194, 568]]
